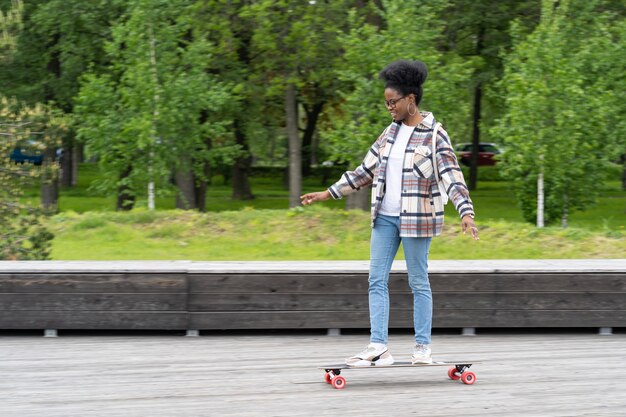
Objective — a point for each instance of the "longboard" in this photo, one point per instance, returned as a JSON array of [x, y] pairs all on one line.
[[458, 371]]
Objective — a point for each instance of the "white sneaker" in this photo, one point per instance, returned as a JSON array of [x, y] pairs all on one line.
[[373, 354], [421, 354]]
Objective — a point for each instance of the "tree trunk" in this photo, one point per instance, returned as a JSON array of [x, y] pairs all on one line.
[[361, 200], [285, 178], [201, 188], [624, 172], [49, 182], [203, 184], [125, 195], [564, 216], [71, 158], [308, 146], [478, 92], [66, 164], [374, 19], [155, 117], [77, 158], [241, 169], [540, 196], [313, 161], [295, 147], [186, 196], [272, 149], [473, 179]]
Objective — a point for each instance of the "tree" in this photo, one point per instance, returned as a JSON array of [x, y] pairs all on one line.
[[13, 28], [226, 25], [297, 52], [478, 30], [153, 113], [602, 54], [53, 125], [361, 116], [11, 24], [561, 89], [22, 233], [61, 39]]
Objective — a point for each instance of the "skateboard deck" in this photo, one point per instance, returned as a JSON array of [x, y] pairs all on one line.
[[458, 370]]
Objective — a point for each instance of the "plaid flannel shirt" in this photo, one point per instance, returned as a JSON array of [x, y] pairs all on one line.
[[421, 213]]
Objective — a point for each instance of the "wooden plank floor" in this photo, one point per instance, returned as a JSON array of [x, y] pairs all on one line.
[[557, 374]]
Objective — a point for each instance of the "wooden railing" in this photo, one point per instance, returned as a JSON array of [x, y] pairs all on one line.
[[305, 295]]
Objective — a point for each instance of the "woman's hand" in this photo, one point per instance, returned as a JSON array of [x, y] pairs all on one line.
[[467, 223], [311, 198]]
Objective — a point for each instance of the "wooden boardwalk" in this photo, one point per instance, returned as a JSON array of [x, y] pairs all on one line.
[[223, 374]]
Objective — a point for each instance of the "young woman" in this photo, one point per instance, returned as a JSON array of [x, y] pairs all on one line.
[[407, 205]]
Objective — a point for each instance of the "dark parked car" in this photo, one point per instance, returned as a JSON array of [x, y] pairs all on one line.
[[486, 153], [27, 152], [30, 152]]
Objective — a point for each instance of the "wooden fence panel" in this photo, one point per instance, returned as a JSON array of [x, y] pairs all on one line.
[[271, 299], [93, 301]]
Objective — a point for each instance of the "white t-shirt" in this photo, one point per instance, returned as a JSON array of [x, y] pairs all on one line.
[[392, 202]]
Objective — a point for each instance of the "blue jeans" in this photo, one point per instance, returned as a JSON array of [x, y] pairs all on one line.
[[384, 246]]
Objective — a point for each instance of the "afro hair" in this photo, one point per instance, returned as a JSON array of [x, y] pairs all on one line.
[[407, 77]]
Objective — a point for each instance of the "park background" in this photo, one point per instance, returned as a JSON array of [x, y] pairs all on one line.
[[188, 129]]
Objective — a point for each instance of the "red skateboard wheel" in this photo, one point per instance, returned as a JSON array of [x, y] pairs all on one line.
[[339, 382], [327, 378], [452, 373], [468, 378]]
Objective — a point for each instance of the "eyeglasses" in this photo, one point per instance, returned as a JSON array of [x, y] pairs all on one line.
[[392, 103]]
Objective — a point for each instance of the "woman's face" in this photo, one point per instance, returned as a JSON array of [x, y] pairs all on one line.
[[397, 104]]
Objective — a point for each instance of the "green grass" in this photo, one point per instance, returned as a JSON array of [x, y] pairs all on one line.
[[312, 233], [493, 200], [263, 229], [269, 194]]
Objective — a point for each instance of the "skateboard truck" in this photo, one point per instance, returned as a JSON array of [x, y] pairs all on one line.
[[332, 376], [460, 372]]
